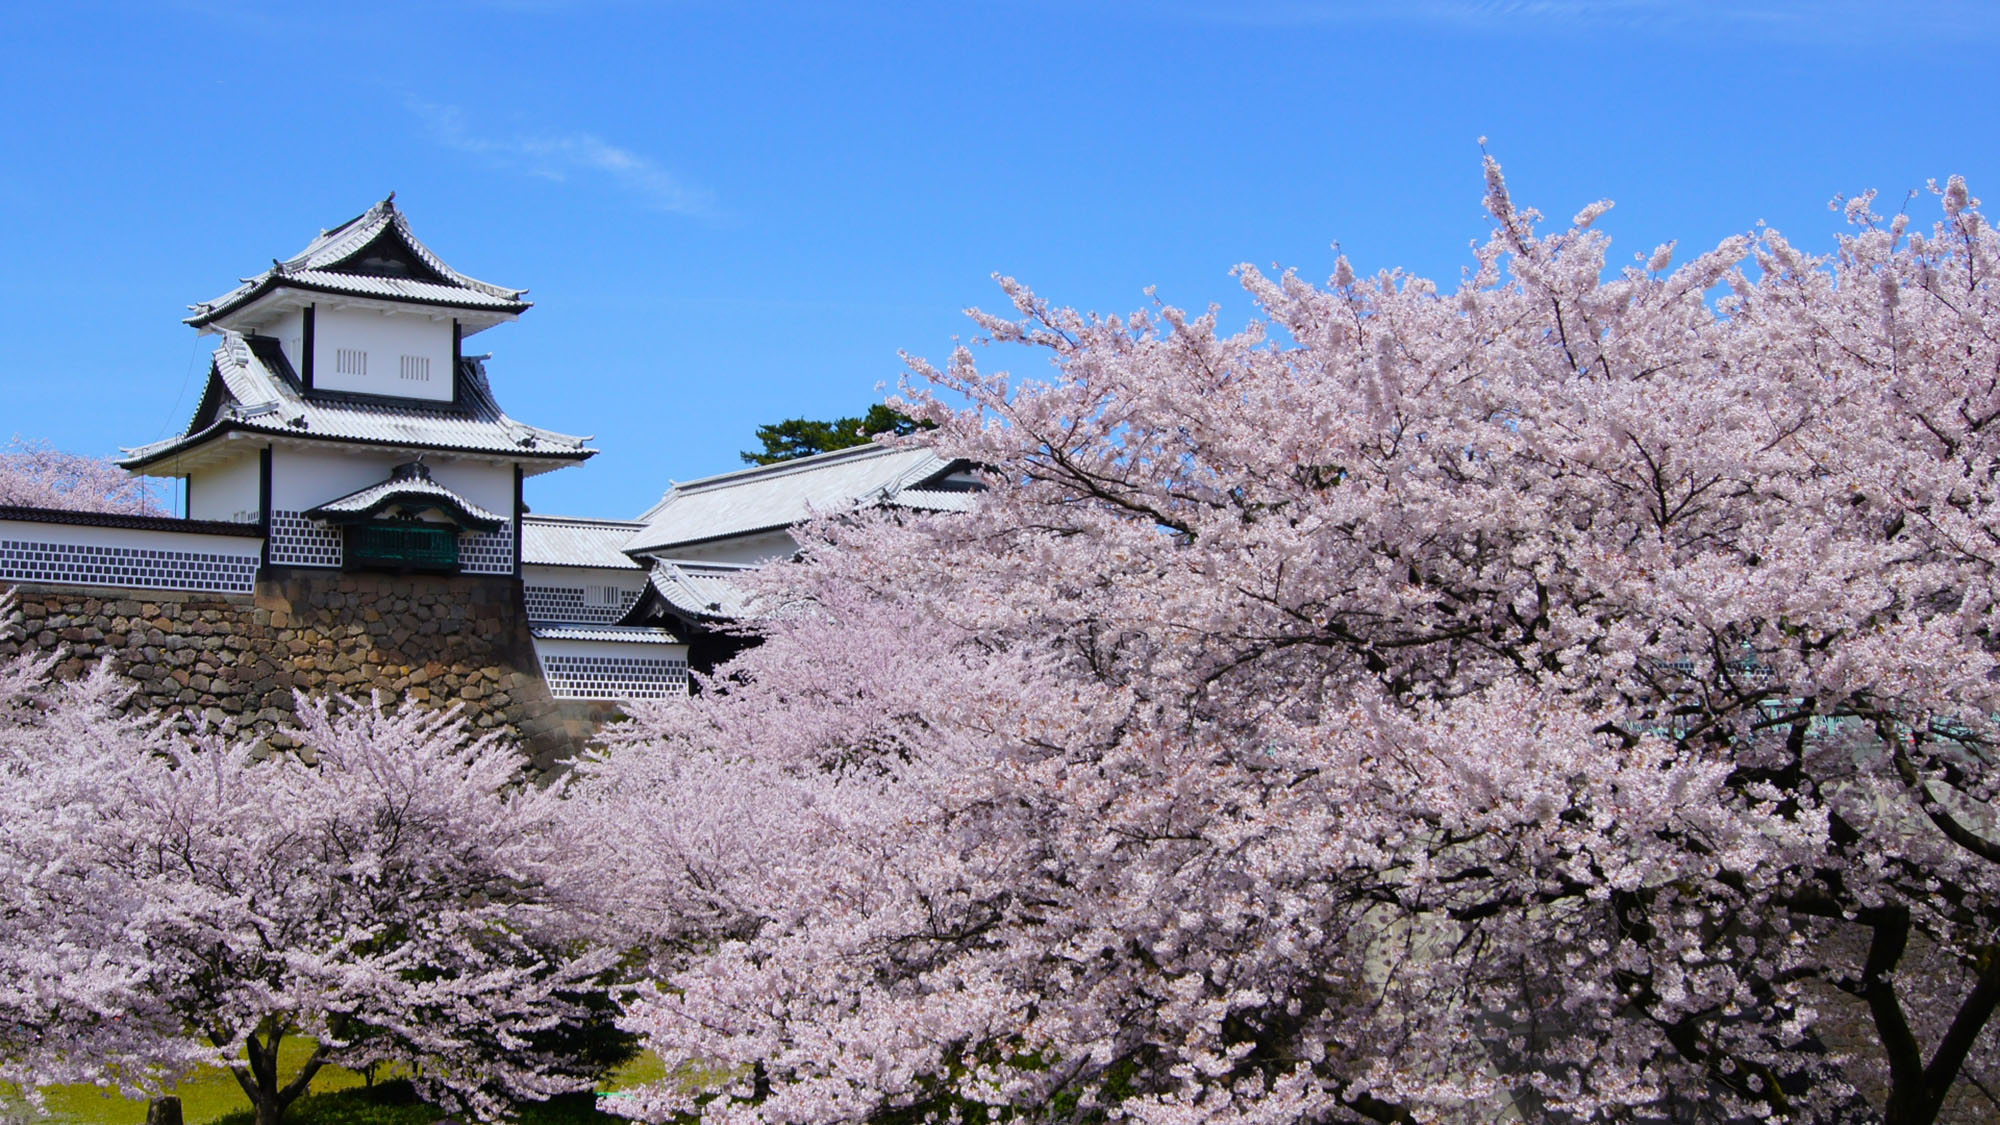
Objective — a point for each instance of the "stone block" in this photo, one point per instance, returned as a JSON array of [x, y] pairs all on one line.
[[461, 642]]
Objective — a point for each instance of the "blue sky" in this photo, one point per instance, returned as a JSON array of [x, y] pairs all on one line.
[[729, 213]]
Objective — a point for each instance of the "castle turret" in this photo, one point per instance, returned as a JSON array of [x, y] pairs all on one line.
[[343, 416]]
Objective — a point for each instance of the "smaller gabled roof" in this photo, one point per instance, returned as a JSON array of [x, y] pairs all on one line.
[[410, 487], [699, 591], [769, 497], [577, 541], [618, 634], [372, 255], [252, 389]]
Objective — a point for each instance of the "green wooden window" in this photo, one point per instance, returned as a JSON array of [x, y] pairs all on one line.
[[402, 546]]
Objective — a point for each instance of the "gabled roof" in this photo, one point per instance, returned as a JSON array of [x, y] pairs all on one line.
[[769, 497], [695, 591], [577, 541], [252, 389], [622, 634], [372, 255], [410, 487]]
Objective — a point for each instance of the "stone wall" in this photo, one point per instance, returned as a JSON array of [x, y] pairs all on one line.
[[433, 641]]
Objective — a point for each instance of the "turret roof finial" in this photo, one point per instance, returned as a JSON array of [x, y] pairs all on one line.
[[373, 256]]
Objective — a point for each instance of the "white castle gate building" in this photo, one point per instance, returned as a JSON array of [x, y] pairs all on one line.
[[344, 427]]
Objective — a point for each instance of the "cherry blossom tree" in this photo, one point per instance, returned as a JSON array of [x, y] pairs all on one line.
[[394, 893], [34, 475], [1566, 697]]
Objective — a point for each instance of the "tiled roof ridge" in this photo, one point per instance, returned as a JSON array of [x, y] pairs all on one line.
[[432, 260], [242, 374], [230, 408], [702, 564], [672, 580], [584, 521], [237, 347], [918, 473], [751, 474], [326, 252], [339, 242], [333, 247], [406, 484], [631, 634], [770, 498]]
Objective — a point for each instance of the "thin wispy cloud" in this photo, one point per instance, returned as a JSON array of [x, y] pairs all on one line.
[[1859, 21], [566, 156]]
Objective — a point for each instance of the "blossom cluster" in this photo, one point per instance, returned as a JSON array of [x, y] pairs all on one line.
[[1566, 697], [35, 475], [392, 892]]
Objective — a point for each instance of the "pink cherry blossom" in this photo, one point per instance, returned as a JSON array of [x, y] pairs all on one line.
[[33, 475], [1569, 697], [394, 892]]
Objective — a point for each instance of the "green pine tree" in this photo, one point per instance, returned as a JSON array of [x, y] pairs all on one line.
[[803, 437]]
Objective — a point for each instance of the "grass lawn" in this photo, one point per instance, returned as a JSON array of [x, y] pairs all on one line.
[[212, 1095]]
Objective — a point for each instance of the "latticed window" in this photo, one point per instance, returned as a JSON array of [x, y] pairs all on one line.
[[396, 545]]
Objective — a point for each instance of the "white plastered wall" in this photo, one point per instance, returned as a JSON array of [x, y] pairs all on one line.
[[597, 595], [70, 554], [405, 355], [612, 670], [745, 549], [291, 333], [485, 483], [303, 479], [306, 478], [583, 576], [228, 491], [136, 538]]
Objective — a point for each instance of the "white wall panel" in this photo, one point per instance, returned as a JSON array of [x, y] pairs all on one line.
[[228, 491], [132, 558], [381, 342]]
